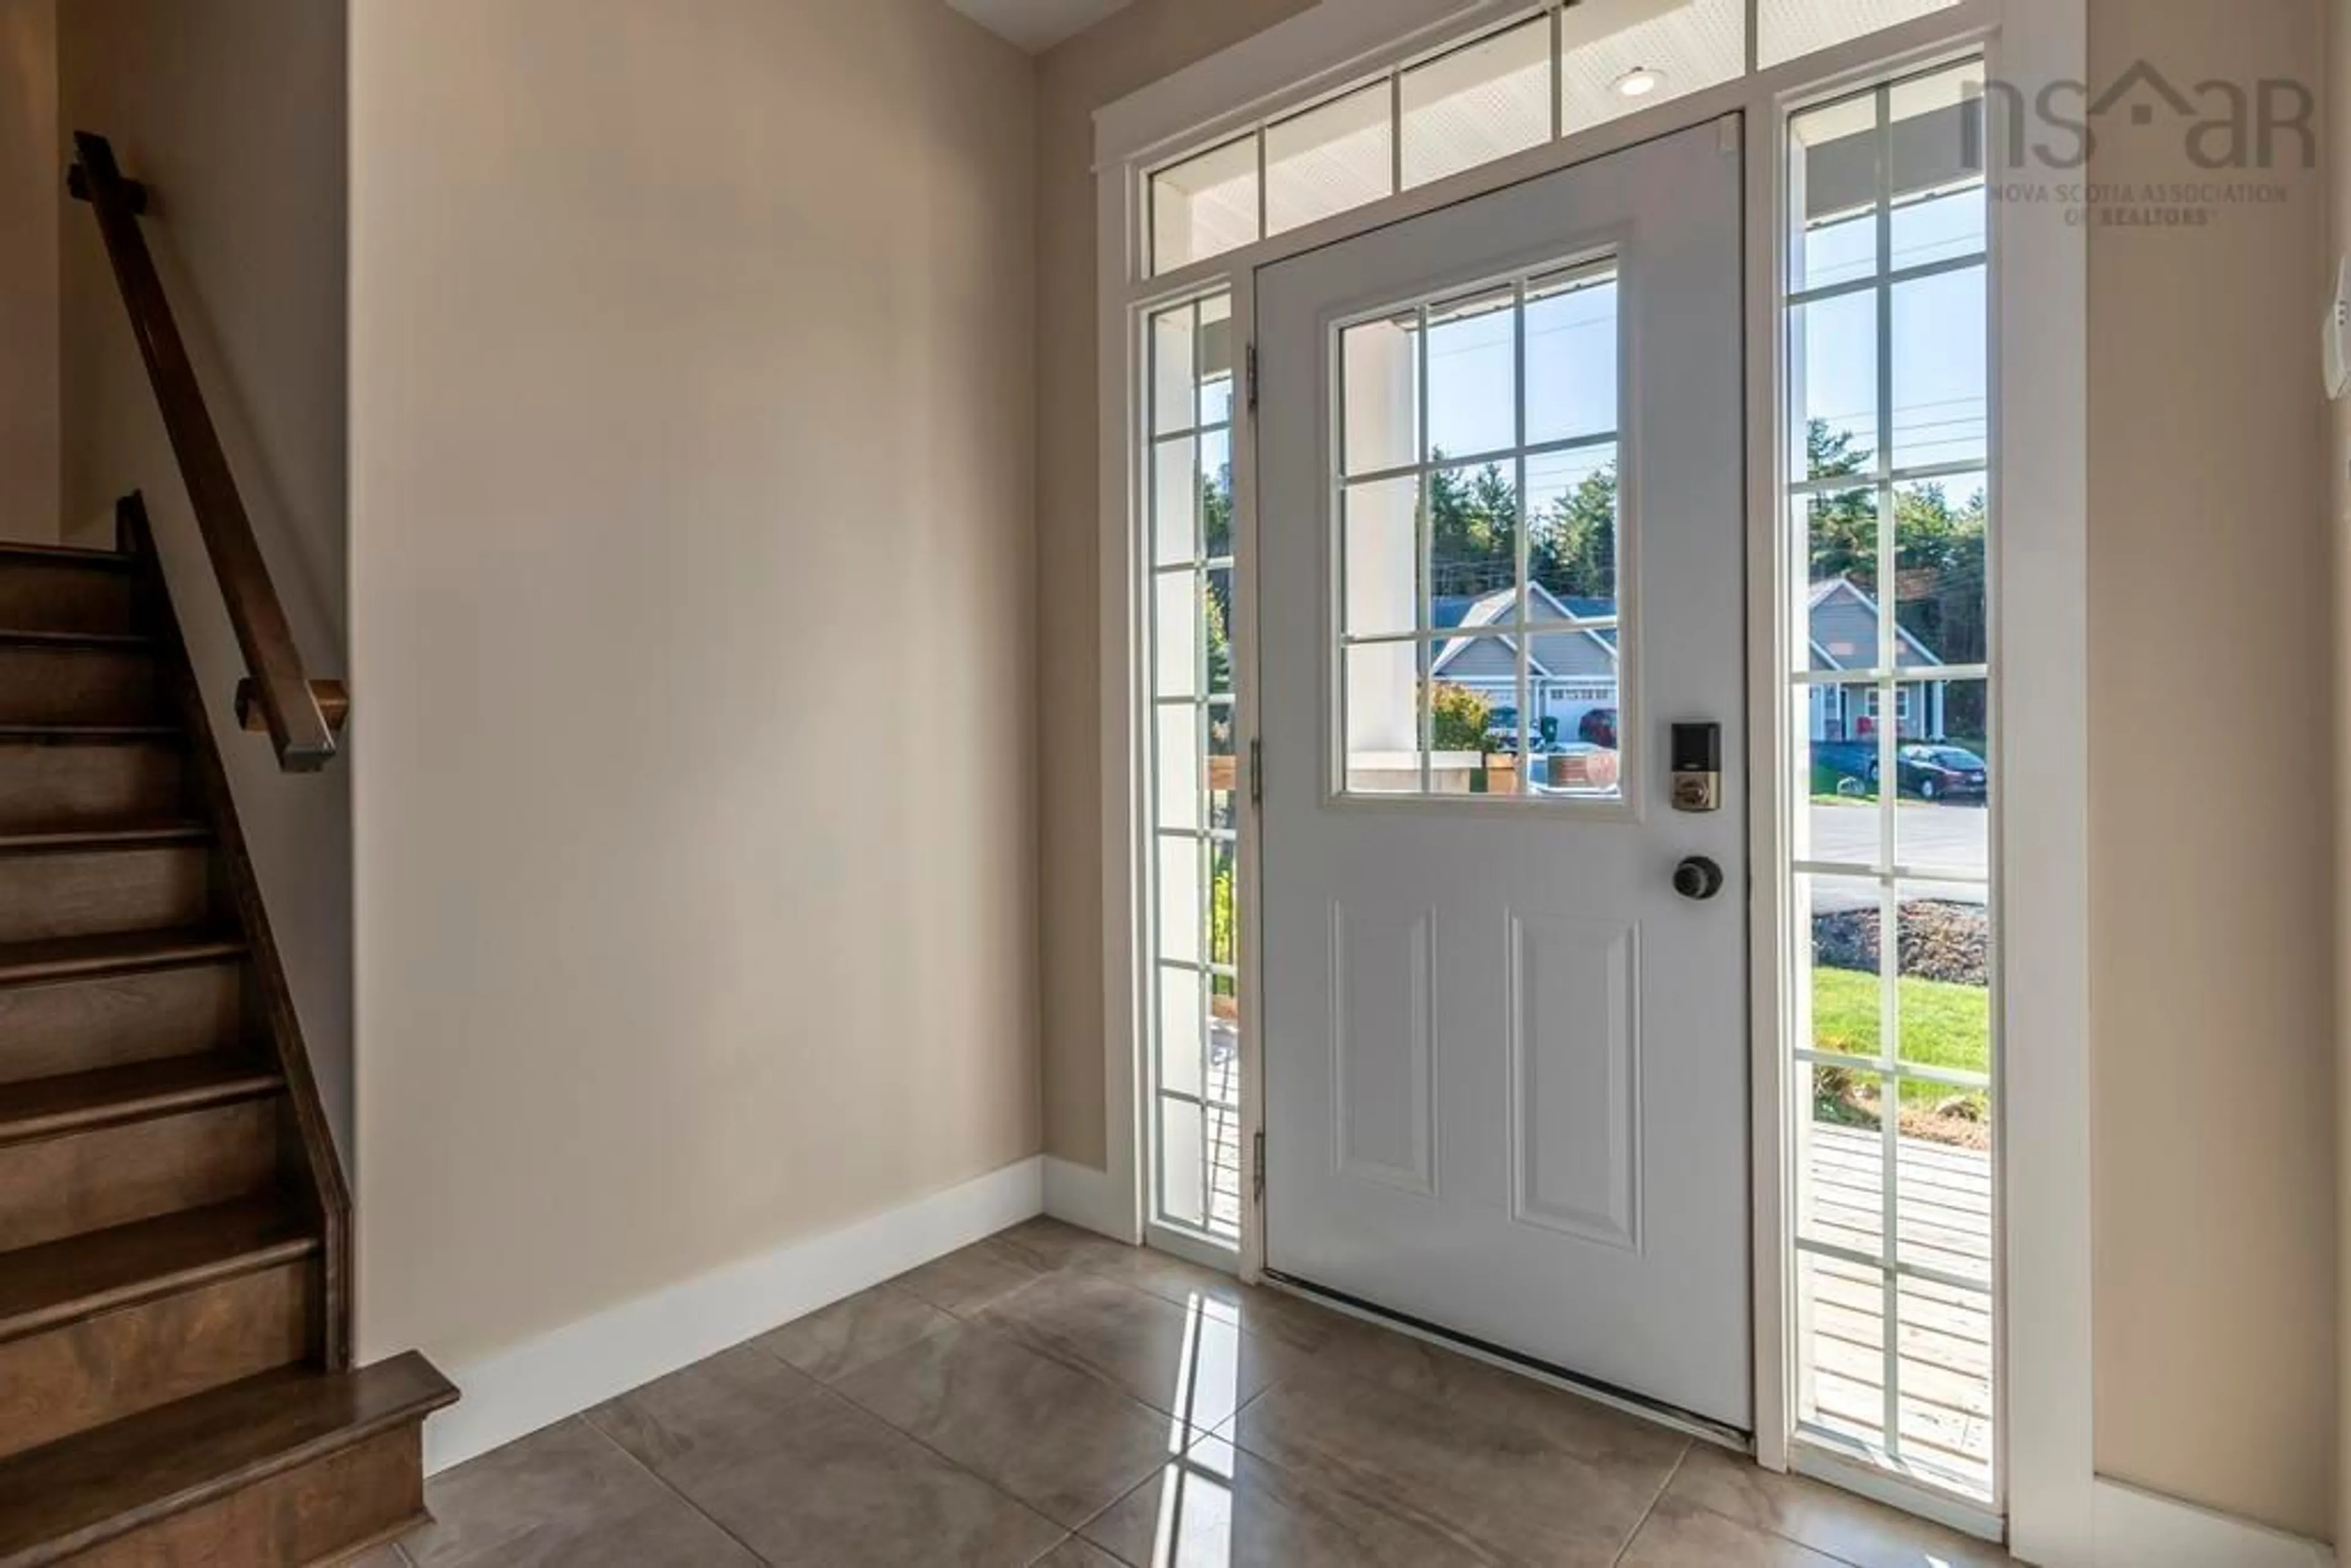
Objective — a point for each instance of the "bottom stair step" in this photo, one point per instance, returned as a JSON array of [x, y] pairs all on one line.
[[291, 1467]]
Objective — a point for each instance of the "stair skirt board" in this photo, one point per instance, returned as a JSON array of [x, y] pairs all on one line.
[[514, 1392]]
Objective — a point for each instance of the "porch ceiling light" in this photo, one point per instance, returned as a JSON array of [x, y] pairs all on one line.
[[1640, 82]]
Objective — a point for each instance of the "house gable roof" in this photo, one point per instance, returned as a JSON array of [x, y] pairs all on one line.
[[1824, 600], [1545, 610], [1838, 594]]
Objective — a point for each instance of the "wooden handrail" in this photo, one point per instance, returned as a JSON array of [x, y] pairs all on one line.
[[276, 685]]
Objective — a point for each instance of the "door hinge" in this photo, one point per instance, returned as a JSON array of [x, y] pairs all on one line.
[[1257, 773], [1256, 1168], [1252, 377]]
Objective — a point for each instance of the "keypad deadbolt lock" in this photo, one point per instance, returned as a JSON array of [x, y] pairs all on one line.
[[1696, 757]]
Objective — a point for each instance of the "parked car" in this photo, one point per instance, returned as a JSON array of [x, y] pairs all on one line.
[[1599, 728], [1502, 732], [1930, 770], [1940, 771], [1504, 739]]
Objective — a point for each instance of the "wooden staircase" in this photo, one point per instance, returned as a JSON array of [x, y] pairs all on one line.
[[175, 1382]]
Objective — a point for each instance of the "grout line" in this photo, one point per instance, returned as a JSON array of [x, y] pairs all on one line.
[[852, 1403], [1656, 1498], [663, 1481]]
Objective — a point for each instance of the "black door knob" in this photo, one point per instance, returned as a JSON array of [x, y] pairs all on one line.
[[1698, 878]]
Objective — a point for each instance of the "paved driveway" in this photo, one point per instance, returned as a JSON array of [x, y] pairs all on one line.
[[1954, 837]]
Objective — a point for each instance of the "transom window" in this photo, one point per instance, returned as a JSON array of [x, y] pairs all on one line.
[[1563, 69], [1476, 510]]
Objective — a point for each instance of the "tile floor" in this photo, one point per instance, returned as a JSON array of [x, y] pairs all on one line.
[[1049, 1397]]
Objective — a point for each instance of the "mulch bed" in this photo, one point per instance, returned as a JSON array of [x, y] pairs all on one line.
[[1940, 941]]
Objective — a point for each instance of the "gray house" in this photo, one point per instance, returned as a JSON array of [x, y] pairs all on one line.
[[1571, 660], [1844, 630]]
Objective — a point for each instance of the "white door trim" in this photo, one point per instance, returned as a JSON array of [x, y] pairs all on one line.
[[2041, 368], [2041, 434]]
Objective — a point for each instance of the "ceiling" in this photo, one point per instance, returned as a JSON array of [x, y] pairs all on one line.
[[1037, 25]]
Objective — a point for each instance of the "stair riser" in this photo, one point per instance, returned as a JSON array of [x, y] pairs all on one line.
[[80, 685], [86, 1373], [95, 893], [316, 1513], [113, 1176], [77, 1026], [65, 598], [82, 786]]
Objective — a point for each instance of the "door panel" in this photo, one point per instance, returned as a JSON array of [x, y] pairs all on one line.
[[1575, 1094], [1506, 1063], [1383, 1028]]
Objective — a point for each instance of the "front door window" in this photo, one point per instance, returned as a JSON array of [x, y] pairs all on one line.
[[1476, 495]]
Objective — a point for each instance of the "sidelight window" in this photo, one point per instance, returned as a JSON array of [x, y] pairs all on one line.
[[1891, 678], [1194, 1019]]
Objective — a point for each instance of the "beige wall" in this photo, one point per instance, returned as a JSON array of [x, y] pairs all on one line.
[[233, 112], [2212, 946], [1132, 49], [32, 192], [2212, 940], [692, 583], [2338, 81]]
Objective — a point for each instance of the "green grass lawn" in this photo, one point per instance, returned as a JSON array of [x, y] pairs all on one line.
[[1943, 1025]]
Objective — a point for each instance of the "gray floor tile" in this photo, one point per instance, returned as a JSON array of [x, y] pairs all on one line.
[[1075, 1552], [1269, 1314], [1847, 1528], [1514, 1489], [968, 1279], [1678, 1534], [1431, 1373], [1190, 1362], [804, 1476], [1061, 1441], [858, 1332], [980, 1408], [1222, 1508], [564, 1498]]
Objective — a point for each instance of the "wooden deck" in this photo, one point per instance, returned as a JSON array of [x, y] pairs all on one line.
[[1225, 1129], [1943, 1333]]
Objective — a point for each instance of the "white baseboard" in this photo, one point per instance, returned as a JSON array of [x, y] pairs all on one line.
[[2139, 1529], [527, 1386], [1088, 1198]]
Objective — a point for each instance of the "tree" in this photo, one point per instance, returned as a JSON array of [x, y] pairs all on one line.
[[1216, 511], [1473, 532], [1217, 612], [1457, 717], [1573, 551], [1841, 524]]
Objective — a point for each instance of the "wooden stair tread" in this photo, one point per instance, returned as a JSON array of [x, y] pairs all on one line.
[[118, 952], [95, 642], [58, 1281], [78, 1493], [128, 836], [73, 1102], [85, 733], [67, 555]]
